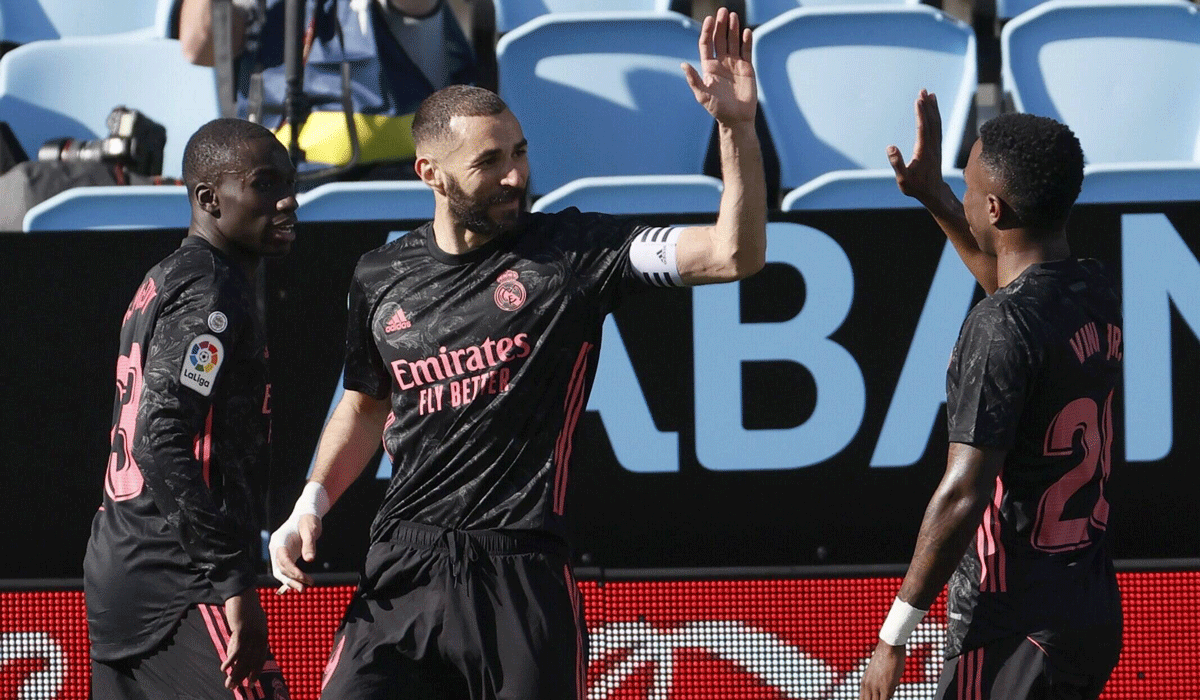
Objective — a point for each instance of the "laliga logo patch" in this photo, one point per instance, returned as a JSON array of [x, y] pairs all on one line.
[[217, 321], [510, 293], [201, 363]]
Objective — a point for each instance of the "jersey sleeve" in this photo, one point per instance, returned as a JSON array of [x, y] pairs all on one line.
[[598, 246], [190, 346], [988, 380], [365, 371]]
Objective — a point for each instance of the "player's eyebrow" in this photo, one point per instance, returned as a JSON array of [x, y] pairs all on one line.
[[523, 143]]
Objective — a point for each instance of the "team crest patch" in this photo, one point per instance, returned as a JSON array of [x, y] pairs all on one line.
[[510, 293], [217, 321], [201, 362]]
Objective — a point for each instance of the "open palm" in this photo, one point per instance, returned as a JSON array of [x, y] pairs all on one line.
[[726, 87]]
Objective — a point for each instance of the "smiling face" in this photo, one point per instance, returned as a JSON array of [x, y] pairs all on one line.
[[483, 172]]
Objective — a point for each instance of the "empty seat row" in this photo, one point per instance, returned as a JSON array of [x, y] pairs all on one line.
[[602, 95]]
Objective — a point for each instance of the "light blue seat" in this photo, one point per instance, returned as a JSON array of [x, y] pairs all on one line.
[[603, 94], [1125, 76], [511, 14], [637, 194], [762, 11], [34, 20], [68, 87], [837, 86], [111, 208], [859, 189], [1007, 9], [383, 200]]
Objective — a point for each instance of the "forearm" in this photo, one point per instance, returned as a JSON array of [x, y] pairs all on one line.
[[741, 228], [349, 441], [196, 31], [948, 212], [947, 529]]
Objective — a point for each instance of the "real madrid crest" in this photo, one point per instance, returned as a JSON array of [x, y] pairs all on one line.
[[510, 293]]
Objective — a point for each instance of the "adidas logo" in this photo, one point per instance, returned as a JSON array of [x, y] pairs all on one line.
[[398, 322], [662, 254]]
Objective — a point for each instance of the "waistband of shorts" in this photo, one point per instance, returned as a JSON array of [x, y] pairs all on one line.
[[425, 536]]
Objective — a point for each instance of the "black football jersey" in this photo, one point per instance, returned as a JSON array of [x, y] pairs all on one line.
[[488, 358], [1036, 372], [181, 505]]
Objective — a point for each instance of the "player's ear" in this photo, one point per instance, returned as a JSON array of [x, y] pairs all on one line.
[[997, 209], [205, 196], [427, 169]]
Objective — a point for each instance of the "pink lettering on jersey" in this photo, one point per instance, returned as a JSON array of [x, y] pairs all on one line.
[[454, 363], [1114, 342], [142, 298], [123, 479], [1086, 342]]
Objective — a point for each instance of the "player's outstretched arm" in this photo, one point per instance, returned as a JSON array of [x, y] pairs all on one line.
[[951, 519], [735, 246], [348, 442], [921, 178]]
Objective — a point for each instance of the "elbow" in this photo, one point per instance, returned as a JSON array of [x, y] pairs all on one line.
[[745, 263], [195, 47]]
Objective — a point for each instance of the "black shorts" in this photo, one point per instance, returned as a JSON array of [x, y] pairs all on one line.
[[461, 614], [187, 666], [1019, 668]]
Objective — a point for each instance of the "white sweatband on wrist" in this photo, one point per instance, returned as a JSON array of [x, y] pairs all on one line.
[[901, 620], [313, 500], [652, 254]]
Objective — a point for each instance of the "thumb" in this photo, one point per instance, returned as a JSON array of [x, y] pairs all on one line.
[[693, 79], [896, 161]]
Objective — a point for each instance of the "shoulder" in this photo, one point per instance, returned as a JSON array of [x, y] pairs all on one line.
[[572, 228]]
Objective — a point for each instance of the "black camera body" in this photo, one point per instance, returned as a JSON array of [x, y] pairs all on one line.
[[134, 141]]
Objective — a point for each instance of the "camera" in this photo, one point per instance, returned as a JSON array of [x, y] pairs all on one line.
[[134, 141]]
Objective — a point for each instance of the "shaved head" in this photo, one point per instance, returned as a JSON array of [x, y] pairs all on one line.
[[215, 148]]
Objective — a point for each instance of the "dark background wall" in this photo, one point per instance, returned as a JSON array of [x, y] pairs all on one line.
[[63, 296]]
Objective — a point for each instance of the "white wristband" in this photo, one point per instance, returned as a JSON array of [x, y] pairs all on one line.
[[313, 500], [901, 620]]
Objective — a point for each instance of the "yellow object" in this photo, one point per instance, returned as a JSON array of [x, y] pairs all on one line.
[[324, 138]]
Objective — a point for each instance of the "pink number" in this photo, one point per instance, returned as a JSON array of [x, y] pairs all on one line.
[[123, 479], [1051, 533]]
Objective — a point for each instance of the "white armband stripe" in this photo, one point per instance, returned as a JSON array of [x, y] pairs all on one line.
[[652, 255]]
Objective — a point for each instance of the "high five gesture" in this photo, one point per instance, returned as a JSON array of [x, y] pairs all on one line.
[[726, 88]]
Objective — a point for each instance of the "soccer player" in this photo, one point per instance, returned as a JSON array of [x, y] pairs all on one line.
[[472, 345], [170, 569], [1017, 525]]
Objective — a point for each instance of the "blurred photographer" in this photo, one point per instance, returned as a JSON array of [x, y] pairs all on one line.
[[398, 52]]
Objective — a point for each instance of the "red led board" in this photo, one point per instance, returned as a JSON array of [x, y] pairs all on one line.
[[665, 640]]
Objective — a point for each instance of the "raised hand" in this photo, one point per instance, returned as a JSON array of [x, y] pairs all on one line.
[[922, 178], [726, 88]]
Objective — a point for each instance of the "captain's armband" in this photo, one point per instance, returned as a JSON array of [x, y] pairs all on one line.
[[652, 255]]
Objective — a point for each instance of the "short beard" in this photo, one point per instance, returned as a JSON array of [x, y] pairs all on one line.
[[473, 214]]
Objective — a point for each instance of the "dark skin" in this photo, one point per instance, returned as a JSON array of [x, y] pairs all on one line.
[[996, 247], [248, 213]]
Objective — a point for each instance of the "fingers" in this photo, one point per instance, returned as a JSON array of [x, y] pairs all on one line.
[[693, 81], [721, 34], [706, 39], [747, 42]]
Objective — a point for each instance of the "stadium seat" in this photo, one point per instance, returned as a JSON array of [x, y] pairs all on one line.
[[603, 94], [837, 85], [761, 11], [68, 87], [1124, 75], [637, 194], [511, 14], [860, 189], [35, 20], [116, 208], [1007, 9], [384, 200]]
